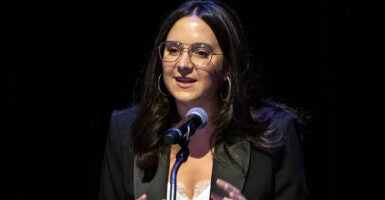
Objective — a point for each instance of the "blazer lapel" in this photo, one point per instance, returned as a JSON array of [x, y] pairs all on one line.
[[225, 169], [157, 187]]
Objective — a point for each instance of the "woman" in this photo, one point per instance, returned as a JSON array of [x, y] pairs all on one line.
[[249, 148]]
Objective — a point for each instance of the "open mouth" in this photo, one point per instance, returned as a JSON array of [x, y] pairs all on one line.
[[184, 82]]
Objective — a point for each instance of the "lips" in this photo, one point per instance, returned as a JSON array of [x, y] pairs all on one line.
[[184, 82], [185, 79]]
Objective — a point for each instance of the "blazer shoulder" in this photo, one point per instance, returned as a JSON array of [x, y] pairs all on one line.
[[289, 128], [124, 114], [276, 117], [122, 119], [283, 119]]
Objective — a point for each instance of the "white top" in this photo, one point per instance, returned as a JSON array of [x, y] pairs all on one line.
[[201, 191]]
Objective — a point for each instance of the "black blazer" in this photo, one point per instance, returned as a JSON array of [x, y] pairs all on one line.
[[263, 177]]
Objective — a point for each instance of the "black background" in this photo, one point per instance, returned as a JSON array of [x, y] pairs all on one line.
[[66, 66]]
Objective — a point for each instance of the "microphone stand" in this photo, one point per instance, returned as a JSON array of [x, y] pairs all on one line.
[[181, 157]]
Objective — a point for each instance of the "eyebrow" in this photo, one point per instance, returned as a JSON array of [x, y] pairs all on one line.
[[195, 43], [206, 45]]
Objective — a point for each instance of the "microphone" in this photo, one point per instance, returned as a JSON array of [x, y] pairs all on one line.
[[196, 118]]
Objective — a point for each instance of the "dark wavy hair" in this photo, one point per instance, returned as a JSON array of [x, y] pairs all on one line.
[[239, 117]]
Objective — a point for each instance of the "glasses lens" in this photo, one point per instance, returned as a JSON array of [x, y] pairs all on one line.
[[200, 54], [169, 51]]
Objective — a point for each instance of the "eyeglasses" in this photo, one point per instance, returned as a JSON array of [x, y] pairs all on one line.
[[200, 54]]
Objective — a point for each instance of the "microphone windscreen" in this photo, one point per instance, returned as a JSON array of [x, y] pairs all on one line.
[[201, 113]]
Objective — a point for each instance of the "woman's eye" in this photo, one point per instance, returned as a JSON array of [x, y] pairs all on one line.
[[173, 50], [201, 52]]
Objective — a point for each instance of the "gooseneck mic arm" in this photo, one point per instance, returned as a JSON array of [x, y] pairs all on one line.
[[196, 118], [181, 157]]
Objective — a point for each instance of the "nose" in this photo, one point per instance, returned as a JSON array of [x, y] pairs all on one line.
[[184, 60]]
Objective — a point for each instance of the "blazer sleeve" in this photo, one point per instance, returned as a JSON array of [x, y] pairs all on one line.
[[290, 178], [114, 172]]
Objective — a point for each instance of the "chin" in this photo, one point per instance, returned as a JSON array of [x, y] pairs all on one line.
[[185, 98]]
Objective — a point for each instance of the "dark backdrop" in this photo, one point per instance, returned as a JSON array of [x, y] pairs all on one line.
[[65, 67]]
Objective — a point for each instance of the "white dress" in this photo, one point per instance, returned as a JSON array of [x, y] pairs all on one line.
[[201, 191]]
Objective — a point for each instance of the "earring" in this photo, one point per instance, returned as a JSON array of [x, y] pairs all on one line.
[[228, 91], [159, 87]]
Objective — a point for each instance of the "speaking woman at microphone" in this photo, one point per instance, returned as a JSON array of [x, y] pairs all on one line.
[[248, 148]]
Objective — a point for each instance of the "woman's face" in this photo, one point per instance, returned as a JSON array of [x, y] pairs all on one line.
[[192, 77]]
